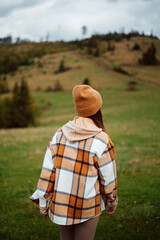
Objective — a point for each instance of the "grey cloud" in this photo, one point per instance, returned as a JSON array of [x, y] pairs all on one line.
[[63, 19], [8, 6]]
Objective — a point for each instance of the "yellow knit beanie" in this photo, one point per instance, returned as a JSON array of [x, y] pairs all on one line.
[[87, 100]]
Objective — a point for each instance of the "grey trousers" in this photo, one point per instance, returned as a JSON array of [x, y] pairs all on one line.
[[81, 231]]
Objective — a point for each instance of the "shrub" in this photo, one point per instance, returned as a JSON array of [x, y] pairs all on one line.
[[97, 52], [96, 47], [132, 86], [32, 62], [110, 47], [8, 63], [61, 67], [89, 51], [24, 60], [49, 89], [93, 42], [136, 47], [86, 81], [39, 64], [149, 57], [119, 69], [57, 86], [38, 88], [102, 47], [4, 85], [12, 74]]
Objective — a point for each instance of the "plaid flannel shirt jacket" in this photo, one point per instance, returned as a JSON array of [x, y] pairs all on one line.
[[78, 180]]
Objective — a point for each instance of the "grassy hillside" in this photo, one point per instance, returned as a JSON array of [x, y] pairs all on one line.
[[45, 76], [132, 121], [127, 58], [41, 73]]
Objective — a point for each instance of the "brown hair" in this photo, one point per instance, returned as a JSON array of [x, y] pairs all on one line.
[[98, 120]]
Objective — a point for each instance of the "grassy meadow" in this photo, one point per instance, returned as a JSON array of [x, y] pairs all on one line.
[[131, 119]]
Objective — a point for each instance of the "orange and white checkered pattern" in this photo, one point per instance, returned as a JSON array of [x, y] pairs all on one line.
[[78, 179]]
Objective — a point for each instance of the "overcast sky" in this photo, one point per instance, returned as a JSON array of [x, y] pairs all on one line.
[[63, 19]]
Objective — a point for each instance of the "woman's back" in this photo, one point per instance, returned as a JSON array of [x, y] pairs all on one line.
[[78, 166]]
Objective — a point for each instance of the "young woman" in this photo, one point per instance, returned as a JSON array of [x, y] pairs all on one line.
[[78, 178]]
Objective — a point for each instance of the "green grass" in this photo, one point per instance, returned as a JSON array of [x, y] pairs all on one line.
[[132, 121]]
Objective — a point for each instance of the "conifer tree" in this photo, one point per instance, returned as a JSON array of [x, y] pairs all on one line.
[[2, 120], [4, 85], [26, 105], [5, 113], [149, 57], [22, 106], [61, 66], [19, 111], [86, 81], [16, 122]]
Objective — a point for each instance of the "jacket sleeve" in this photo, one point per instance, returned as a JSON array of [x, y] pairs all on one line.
[[46, 181], [107, 176]]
